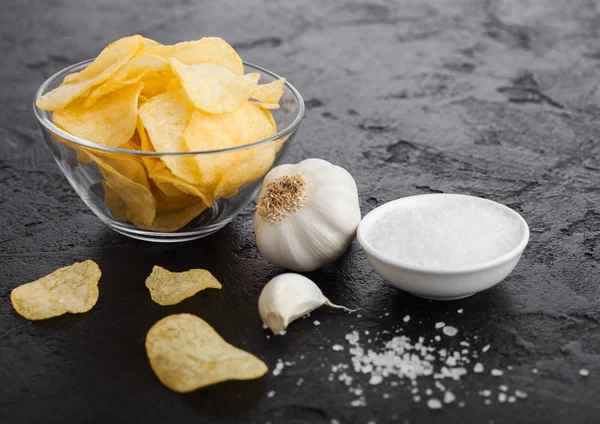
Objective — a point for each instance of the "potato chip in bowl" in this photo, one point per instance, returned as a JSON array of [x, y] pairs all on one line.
[[167, 143]]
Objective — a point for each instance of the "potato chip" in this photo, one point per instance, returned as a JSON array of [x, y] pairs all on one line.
[[113, 202], [149, 161], [165, 118], [214, 89], [170, 288], [115, 52], [166, 203], [269, 93], [186, 354], [137, 69], [127, 178], [111, 121], [207, 50], [72, 289], [169, 221], [171, 185], [111, 59], [229, 170]]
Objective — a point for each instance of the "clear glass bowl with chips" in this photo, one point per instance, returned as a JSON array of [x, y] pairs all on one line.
[[107, 178]]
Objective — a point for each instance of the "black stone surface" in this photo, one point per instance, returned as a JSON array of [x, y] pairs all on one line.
[[493, 98]]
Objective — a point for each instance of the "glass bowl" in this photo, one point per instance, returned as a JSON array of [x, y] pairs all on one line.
[[109, 179]]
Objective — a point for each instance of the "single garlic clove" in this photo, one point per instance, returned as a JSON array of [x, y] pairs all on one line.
[[288, 297]]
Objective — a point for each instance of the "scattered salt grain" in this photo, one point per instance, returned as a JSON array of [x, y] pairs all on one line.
[[300, 381], [503, 387], [278, 368], [417, 398], [317, 323], [487, 402], [334, 421], [406, 318], [460, 311], [461, 404], [434, 403], [337, 347], [265, 326], [520, 394], [512, 399], [445, 236], [428, 392], [361, 401], [439, 325], [386, 395], [437, 338], [583, 372], [271, 394], [449, 397], [485, 348], [535, 370], [450, 331], [375, 379], [496, 372], [501, 397]]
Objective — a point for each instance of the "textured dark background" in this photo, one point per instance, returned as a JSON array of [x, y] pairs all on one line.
[[493, 98]]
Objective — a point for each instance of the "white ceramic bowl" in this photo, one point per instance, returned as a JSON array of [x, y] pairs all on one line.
[[440, 284]]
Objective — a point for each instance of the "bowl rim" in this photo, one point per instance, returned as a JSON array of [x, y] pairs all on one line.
[[47, 123], [373, 215]]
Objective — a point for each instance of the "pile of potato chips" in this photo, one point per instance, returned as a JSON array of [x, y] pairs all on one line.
[[188, 97]]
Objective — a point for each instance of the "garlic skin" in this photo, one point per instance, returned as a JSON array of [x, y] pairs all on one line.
[[306, 214], [288, 297]]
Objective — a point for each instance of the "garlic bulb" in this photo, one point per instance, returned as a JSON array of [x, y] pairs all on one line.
[[306, 214], [288, 297]]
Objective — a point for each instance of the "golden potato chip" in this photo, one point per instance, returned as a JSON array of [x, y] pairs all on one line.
[[145, 145], [127, 178], [110, 121], [165, 203], [145, 67], [111, 59], [114, 203], [264, 105], [214, 89], [186, 354], [171, 185], [165, 118], [226, 171], [170, 288], [207, 50], [72, 289], [169, 221], [269, 93], [119, 51]]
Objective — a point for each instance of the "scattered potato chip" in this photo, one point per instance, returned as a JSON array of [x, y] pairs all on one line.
[[111, 59], [169, 288], [166, 117], [214, 89], [186, 354], [72, 289], [110, 121], [207, 50], [269, 93]]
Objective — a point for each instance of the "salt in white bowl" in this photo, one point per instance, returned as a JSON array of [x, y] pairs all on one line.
[[443, 246]]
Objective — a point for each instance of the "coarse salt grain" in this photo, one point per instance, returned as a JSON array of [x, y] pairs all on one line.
[[445, 236], [460, 311], [406, 318], [271, 394], [503, 387], [496, 373], [449, 397], [317, 323], [449, 331], [439, 325], [434, 403], [520, 394], [337, 347], [583, 372], [278, 368]]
